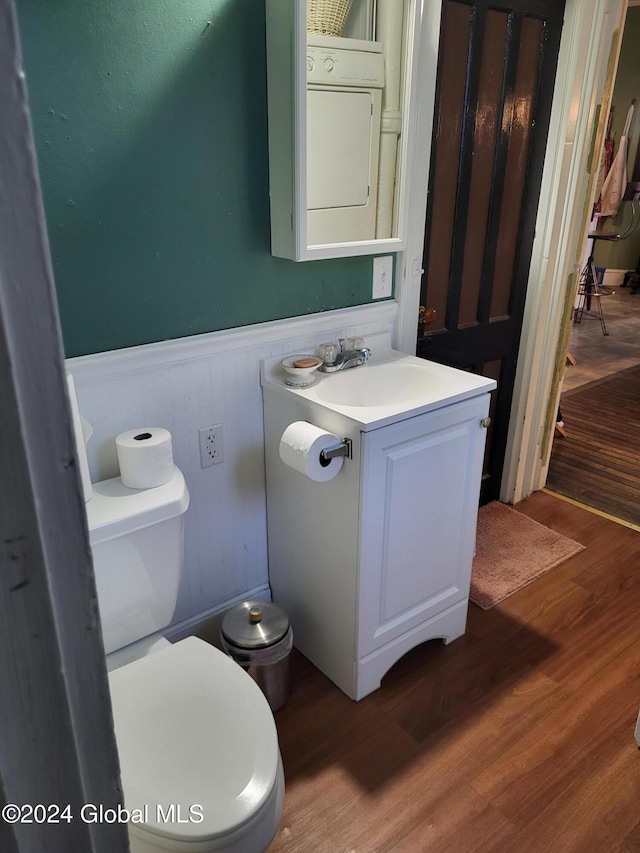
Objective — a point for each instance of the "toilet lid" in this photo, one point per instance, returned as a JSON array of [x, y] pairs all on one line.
[[194, 733]]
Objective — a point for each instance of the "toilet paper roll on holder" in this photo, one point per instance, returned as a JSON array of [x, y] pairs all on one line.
[[343, 449]]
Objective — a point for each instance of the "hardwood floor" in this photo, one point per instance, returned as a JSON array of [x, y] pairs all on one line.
[[596, 462], [517, 737]]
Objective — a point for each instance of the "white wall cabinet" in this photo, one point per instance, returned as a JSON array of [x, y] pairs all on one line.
[[377, 560]]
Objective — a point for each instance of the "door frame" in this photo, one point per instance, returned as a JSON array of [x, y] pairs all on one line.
[[587, 63], [56, 742]]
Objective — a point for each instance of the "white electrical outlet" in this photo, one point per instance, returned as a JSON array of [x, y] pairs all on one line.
[[211, 445], [382, 277]]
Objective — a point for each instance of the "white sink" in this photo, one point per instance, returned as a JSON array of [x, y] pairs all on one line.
[[386, 384], [390, 387]]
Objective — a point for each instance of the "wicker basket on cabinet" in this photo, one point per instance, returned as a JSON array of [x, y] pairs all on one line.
[[327, 16]]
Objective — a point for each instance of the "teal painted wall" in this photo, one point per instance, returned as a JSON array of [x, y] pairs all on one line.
[[151, 135], [625, 254]]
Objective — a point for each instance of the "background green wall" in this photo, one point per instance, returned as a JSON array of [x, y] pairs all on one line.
[[625, 254], [151, 135]]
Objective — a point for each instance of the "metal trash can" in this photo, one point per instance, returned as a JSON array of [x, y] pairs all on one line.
[[258, 636]]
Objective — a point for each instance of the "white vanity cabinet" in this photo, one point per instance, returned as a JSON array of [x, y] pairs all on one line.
[[378, 559], [420, 487]]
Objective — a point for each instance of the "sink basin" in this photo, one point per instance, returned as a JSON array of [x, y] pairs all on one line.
[[386, 384], [390, 387]]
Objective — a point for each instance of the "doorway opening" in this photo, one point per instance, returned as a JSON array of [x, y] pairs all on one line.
[[594, 458]]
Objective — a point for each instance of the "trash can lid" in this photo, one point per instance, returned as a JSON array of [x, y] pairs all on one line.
[[255, 624]]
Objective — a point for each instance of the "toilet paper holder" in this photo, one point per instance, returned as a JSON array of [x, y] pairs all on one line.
[[344, 449]]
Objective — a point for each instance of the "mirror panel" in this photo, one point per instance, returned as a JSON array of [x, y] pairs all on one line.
[[340, 121]]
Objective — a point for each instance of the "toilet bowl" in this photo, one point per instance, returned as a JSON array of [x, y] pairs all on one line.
[[198, 752], [198, 747]]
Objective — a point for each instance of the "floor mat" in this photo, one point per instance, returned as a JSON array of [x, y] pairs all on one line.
[[511, 551]]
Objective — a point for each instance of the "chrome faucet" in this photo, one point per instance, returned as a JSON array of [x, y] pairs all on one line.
[[344, 359]]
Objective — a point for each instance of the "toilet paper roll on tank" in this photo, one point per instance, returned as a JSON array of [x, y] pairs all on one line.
[[300, 448], [145, 457]]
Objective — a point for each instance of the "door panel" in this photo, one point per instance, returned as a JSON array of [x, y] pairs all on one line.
[[517, 127], [496, 72], [484, 144], [415, 556], [452, 79]]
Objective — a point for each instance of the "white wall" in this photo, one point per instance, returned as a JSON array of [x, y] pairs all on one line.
[[189, 383]]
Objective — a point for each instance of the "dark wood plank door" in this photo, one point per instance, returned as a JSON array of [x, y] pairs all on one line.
[[496, 73]]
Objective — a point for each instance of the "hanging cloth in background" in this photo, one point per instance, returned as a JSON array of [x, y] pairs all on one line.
[[616, 181], [605, 163]]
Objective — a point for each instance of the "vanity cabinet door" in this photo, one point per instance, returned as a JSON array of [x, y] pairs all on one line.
[[420, 492]]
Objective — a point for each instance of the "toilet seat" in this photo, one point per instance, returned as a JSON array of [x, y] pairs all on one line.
[[193, 729]]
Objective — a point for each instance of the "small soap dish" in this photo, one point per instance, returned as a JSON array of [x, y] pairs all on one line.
[[300, 369]]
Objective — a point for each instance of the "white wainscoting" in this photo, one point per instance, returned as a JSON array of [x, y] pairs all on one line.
[[189, 383]]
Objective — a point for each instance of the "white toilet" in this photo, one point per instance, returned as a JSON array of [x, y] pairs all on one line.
[[198, 747]]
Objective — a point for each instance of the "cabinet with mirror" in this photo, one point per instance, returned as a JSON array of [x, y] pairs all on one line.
[[341, 77]]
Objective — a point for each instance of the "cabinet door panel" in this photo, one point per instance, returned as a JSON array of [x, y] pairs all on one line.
[[418, 519]]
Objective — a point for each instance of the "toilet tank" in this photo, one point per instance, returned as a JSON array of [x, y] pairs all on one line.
[[137, 542]]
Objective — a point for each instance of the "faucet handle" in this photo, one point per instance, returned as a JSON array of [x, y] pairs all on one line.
[[328, 352], [352, 343]]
